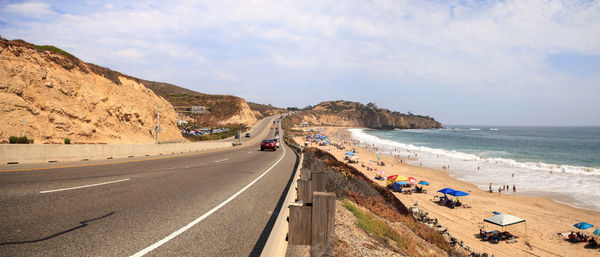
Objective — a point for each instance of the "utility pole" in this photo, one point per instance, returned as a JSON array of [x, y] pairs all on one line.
[[157, 123], [24, 121]]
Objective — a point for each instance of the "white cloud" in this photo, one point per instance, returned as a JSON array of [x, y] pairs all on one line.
[[29, 9], [479, 47]]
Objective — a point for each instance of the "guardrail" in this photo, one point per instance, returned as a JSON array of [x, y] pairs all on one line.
[[29, 154]]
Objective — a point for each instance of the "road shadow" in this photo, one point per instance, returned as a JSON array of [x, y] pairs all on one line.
[[83, 224], [264, 236]]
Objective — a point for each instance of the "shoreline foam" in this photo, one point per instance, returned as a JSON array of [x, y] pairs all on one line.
[[576, 184]]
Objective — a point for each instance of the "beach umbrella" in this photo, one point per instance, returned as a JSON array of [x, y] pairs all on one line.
[[350, 154], [583, 225], [401, 178], [597, 232], [458, 193], [446, 190], [423, 183], [378, 157]]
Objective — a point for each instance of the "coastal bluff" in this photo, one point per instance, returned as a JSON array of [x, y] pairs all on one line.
[[354, 114], [48, 95]]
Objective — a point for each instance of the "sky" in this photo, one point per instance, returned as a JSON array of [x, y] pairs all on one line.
[[529, 63]]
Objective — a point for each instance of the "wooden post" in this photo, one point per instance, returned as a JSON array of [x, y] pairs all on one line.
[[319, 180], [305, 173], [323, 224], [305, 191], [299, 225]]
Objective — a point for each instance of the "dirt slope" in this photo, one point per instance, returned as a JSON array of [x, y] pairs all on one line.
[[62, 97]]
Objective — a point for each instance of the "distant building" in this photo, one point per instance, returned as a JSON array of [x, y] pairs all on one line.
[[199, 109]]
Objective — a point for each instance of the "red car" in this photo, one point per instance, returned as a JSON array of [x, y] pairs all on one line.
[[268, 144]]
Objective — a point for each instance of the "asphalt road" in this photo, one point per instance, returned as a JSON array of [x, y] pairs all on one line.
[[211, 204]]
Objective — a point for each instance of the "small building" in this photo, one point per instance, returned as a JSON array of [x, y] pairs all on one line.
[[199, 109]]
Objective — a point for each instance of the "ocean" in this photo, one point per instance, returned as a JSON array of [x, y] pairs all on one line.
[[562, 163]]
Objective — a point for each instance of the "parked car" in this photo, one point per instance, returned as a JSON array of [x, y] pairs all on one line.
[[247, 135], [268, 144], [276, 142]]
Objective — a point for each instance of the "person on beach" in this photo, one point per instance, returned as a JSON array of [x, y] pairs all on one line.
[[499, 191], [490, 187], [514, 188]]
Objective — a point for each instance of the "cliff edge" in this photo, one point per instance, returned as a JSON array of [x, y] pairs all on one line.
[[354, 114]]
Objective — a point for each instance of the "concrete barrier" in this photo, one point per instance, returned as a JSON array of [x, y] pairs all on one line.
[[276, 244], [31, 154]]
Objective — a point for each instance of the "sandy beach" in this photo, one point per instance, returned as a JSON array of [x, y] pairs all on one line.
[[537, 237]]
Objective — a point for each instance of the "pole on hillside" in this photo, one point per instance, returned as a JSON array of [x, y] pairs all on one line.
[[157, 122]]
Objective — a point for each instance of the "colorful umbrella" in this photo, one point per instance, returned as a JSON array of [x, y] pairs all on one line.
[[583, 225], [597, 232], [381, 172], [446, 190], [401, 178], [423, 182], [458, 193], [350, 154]]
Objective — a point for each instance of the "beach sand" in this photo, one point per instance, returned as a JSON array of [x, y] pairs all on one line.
[[544, 217]]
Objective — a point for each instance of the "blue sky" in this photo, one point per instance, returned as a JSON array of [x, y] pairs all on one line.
[[462, 62]]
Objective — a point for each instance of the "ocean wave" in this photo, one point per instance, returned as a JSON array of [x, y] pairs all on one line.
[[509, 163]]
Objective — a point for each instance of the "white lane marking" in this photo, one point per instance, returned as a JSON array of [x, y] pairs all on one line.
[[222, 160], [250, 152], [194, 222], [92, 185]]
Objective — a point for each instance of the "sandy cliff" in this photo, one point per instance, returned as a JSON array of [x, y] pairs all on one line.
[[222, 109], [353, 114], [62, 97]]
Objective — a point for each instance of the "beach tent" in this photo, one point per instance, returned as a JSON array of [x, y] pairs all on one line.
[[504, 220]]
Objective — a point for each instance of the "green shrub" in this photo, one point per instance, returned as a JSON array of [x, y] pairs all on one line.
[[19, 140], [67, 141]]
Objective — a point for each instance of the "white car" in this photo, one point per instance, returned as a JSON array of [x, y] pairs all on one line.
[[276, 142]]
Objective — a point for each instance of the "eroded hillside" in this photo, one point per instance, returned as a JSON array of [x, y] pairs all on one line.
[[50, 95]]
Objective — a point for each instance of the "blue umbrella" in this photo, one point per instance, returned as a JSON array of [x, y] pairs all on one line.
[[458, 193], [402, 183], [423, 183], [350, 154], [446, 190], [597, 232], [583, 225]]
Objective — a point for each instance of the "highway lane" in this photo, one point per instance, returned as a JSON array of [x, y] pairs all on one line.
[[148, 202]]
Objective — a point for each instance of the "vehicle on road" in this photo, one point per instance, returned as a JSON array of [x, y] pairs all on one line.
[[268, 144], [276, 142], [247, 135]]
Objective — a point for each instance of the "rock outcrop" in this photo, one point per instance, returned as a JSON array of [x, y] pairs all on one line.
[[353, 114], [58, 96]]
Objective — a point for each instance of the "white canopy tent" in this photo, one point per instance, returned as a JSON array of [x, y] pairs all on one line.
[[504, 219]]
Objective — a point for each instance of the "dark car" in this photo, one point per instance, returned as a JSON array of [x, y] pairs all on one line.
[[247, 135], [268, 144]]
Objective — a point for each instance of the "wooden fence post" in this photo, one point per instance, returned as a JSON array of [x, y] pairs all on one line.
[[300, 228], [323, 224], [305, 191], [319, 180], [305, 173]]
